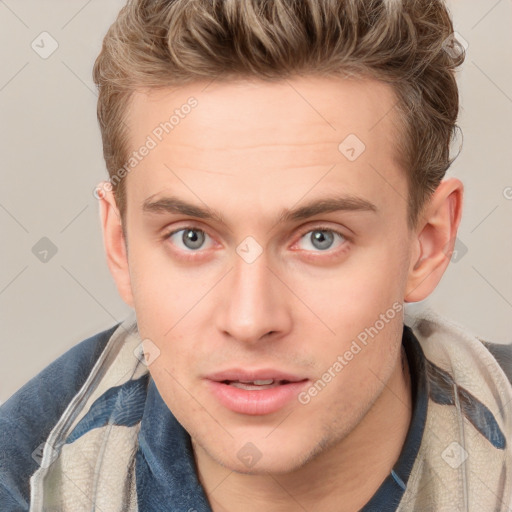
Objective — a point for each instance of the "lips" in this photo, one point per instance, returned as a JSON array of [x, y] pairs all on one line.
[[255, 392], [254, 375]]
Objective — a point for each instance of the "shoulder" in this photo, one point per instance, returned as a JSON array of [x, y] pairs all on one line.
[[426, 321], [502, 352], [29, 415]]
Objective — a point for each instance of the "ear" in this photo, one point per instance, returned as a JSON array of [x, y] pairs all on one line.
[[435, 237], [114, 241]]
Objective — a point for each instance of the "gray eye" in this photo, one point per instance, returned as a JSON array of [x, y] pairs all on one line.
[[322, 239], [192, 238]]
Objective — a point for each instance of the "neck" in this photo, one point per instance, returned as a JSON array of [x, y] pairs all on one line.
[[342, 478]]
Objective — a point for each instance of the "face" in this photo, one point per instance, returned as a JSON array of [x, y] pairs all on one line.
[[290, 262]]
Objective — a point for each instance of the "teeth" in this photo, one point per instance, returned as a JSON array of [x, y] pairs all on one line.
[[257, 382], [255, 385]]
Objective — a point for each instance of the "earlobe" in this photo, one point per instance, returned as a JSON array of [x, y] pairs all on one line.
[[114, 243], [435, 240]]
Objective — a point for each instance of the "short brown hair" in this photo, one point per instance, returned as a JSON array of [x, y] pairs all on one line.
[[406, 43]]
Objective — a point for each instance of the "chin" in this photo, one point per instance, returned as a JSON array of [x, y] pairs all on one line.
[[269, 462]]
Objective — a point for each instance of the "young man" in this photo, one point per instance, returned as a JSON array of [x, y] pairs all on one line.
[[276, 196]]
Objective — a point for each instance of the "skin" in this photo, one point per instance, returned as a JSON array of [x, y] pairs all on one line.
[[249, 150]]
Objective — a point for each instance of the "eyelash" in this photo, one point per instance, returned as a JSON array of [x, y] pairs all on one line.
[[340, 249]]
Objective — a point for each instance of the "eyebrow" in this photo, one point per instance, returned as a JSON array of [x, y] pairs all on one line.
[[325, 205]]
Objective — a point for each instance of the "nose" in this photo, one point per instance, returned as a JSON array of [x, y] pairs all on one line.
[[255, 303]]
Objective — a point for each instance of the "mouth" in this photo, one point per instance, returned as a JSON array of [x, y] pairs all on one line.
[[255, 393], [256, 385]]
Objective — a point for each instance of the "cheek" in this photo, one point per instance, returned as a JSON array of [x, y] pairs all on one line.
[[371, 320], [173, 386], [160, 288], [351, 296]]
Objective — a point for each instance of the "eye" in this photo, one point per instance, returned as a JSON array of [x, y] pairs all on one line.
[[191, 238], [322, 238]]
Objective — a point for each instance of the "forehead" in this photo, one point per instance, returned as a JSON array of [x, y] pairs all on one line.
[[251, 137]]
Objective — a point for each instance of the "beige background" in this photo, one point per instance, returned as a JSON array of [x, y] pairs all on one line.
[[51, 161]]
